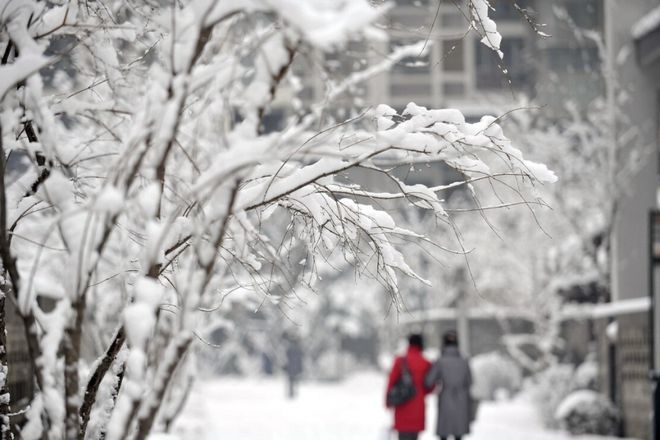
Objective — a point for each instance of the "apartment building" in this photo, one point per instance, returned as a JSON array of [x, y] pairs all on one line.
[[457, 70], [634, 26]]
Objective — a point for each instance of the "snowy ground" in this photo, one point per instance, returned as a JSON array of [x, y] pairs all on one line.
[[350, 410]]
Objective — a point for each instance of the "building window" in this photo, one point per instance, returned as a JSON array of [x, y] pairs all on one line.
[[410, 19], [452, 55], [349, 59], [453, 89], [506, 9], [567, 59], [492, 72], [408, 88], [453, 19], [273, 121], [586, 14]]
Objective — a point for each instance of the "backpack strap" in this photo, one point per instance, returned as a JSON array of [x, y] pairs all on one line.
[[405, 369]]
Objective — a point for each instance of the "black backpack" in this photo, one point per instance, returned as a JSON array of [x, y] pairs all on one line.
[[403, 389]]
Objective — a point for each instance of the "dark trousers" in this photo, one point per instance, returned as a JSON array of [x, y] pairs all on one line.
[[408, 435], [456, 437], [292, 386], [292, 389]]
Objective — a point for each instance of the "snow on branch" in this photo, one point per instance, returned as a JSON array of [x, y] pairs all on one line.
[[485, 25]]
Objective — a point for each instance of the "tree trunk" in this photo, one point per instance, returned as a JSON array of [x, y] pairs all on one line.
[[168, 419], [173, 356], [11, 271], [5, 408], [72, 341], [95, 380]]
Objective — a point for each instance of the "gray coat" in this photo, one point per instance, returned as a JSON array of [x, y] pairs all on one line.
[[451, 373], [294, 360]]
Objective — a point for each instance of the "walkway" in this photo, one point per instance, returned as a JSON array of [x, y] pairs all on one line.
[[351, 410]]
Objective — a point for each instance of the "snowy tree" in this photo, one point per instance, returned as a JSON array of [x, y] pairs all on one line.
[[151, 187], [596, 149], [575, 263]]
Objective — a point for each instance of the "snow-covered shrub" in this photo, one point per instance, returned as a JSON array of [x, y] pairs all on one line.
[[334, 365], [550, 389], [587, 412], [586, 376], [492, 372]]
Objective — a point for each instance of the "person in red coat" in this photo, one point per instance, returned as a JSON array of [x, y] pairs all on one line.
[[409, 417]]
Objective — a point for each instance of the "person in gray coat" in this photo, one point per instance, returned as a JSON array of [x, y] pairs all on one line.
[[294, 364], [451, 373]]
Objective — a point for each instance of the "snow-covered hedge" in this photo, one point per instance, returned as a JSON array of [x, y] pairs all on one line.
[[550, 389], [561, 387], [588, 412], [586, 376], [492, 372]]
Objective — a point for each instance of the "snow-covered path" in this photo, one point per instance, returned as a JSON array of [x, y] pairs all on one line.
[[351, 410]]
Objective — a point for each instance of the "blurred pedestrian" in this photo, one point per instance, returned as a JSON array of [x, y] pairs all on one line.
[[409, 416], [294, 364], [451, 373], [266, 364]]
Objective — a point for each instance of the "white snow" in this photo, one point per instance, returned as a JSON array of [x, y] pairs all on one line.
[[56, 16], [491, 37], [612, 331], [580, 398], [23, 67], [323, 23], [646, 24], [604, 310], [622, 307], [162, 436], [110, 200], [33, 427], [256, 409], [139, 318]]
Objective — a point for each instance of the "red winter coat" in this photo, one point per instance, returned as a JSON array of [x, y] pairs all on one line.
[[409, 417]]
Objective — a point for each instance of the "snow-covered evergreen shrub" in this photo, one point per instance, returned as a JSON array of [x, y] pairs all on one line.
[[554, 384], [587, 412], [586, 376], [550, 389], [492, 372]]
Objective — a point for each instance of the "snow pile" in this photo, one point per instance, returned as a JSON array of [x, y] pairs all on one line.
[[494, 374], [588, 412], [551, 388]]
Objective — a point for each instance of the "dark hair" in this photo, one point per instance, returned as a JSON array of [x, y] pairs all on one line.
[[416, 340], [450, 338]]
